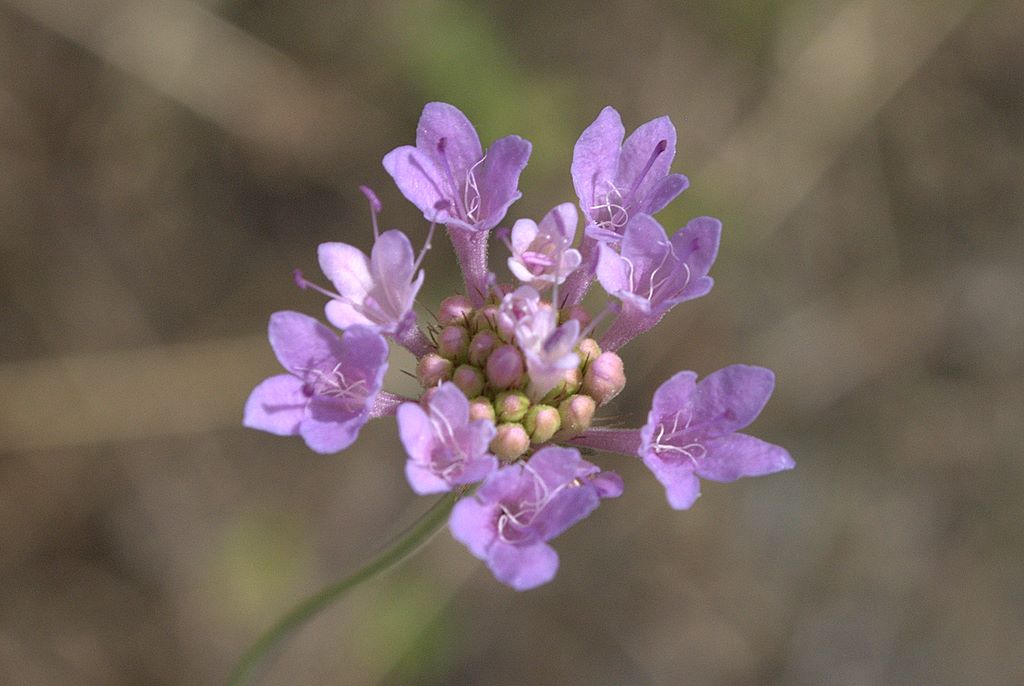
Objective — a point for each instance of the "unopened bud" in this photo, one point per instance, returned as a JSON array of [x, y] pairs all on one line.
[[604, 378], [481, 346], [541, 422], [576, 413], [453, 342], [485, 318], [481, 408], [588, 350], [432, 369], [455, 309], [504, 367], [510, 441], [470, 380], [511, 406], [570, 383]]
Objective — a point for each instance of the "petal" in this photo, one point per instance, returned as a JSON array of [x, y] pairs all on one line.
[[673, 399], [555, 465], [343, 315], [637, 152], [301, 342], [415, 431], [645, 244], [523, 567], [419, 180], [730, 399], [462, 145], [682, 487], [364, 356], [608, 484], [347, 268], [560, 223], [612, 271], [330, 426], [697, 245], [472, 524], [498, 179], [450, 403], [595, 157], [392, 267], [568, 507], [423, 481], [662, 193], [277, 405], [523, 233], [738, 455], [476, 470]]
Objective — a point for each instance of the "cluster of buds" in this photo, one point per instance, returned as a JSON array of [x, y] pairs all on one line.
[[513, 376]]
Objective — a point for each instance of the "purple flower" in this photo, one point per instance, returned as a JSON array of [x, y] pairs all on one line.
[[616, 180], [445, 448], [376, 291], [549, 349], [542, 254], [653, 274], [330, 387], [509, 520], [691, 431], [448, 164]]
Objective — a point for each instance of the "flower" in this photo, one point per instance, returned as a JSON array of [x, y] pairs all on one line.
[[329, 390], [445, 448], [692, 428], [522, 506], [448, 164], [652, 274], [615, 180], [541, 254], [512, 378]]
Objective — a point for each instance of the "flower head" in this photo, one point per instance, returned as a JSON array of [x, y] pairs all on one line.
[[447, 164], [692, 428], [616, 180], [445, 448], [330, 387], [522, 506]]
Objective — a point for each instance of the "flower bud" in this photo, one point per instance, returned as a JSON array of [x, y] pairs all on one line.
[[504, 367], [578, 313], [453, 342], [510, 441], [604, 378], [511, 406], [576, 413], [570, 383], [432, 369], [455, 309], [470, 380], [541, 422], [481, 408], [481, 346], [485, 318], [589, 350]]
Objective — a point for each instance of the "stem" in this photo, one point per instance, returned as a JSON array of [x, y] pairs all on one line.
[[404, 546]]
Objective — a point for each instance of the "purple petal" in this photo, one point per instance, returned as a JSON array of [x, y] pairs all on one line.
[[347, 268], [393, 260], [415, 431], [560, 222], [730, 399], [737, 455], [462, 145], [697, 244], [608, 484], [682, 487], [277, 405], [301, 342], [523, 567], [451, 404], [674, 398], [555, 465], [364, 355], [344, 315], [612, 271], [662, 193], [476, 470], [568, 507], [498, 179], [637, 152], [472, 523], [644, 243], [331, 426], [419, 180], [423, 481], [595, 157]]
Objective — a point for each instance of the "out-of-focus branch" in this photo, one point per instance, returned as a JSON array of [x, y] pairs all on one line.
[[220, 72]]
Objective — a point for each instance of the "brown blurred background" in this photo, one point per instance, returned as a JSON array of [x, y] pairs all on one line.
[[164, 165]]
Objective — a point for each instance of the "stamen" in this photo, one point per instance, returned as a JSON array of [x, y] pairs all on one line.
[[304, 283], [442, 145], [439, 206], [375, 207]]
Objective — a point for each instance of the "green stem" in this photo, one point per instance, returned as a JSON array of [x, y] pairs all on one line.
[[405, 545]]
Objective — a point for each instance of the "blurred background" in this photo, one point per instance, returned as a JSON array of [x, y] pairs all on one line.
[[165, 165]]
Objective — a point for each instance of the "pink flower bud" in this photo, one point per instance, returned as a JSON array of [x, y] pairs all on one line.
[[481, 408], [481, 346], [576, 414], [510, 441], [453, 342], [470, 380], [504, 367], [541, 422], [455, 309], [432, 369], [511, 406], [578, 313], [485, 318], [589, 350], [604, 378]]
